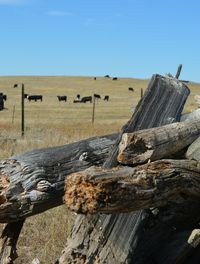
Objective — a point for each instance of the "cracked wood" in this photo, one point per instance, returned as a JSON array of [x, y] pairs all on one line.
[[126, 189], [33, 182], [157, 143]]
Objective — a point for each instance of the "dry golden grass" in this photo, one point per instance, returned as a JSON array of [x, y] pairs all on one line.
[[50, 123]]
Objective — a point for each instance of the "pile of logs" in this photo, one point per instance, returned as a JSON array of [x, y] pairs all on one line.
[[136, 193]]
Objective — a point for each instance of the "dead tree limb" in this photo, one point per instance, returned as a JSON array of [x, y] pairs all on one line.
[[117, 238], [157, 143], [33, 182], [8, 241], [126, 189]]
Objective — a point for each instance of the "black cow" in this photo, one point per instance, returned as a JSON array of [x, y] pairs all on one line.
[[95, 78], [62, 98], [4, 96], [35, 98], [1, 103], [107, 76], [114, 78], [106, 98], [86, 99], [15, 85], [97, 96], [131, 89]]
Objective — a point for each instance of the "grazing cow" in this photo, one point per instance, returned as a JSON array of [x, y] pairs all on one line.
[[107, 76], [62, 98], [106, 98], [3, 96], [86, 99], [15, 85], [1, 103], [97, 96], [35, 98], [131, 89], [114, 78]]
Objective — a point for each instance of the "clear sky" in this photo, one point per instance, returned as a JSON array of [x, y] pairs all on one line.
[[124, 38]]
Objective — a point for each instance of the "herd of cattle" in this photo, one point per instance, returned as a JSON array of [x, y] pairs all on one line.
[[79, 99], [64, 98], [39, 97]]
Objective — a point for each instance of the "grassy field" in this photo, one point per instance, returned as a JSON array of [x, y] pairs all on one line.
[[51, 123]]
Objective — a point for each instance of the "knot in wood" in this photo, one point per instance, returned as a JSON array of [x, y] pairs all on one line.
[[83, 156], [43, 186]]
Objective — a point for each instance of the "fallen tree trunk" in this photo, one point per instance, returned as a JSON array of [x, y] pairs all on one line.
[[117, 238], [126, 189], [33, 182], [157, 143]]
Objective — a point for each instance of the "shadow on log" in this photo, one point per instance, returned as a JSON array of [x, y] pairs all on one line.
[[8, 241]]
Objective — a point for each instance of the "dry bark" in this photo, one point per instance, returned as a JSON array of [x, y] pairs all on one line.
[[157, 143], [118, 238]]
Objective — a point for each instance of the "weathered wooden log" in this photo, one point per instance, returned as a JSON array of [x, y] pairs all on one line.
[[193, 151], [157, 143], [191, 116], [117, 238], [126, 189], [33, 182], [8, 242]]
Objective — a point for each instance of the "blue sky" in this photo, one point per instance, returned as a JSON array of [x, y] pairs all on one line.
[[124, 38]]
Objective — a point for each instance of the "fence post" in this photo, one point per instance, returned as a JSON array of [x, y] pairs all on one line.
[[93, 109], [22, 111], [13, 114], [178, 71]]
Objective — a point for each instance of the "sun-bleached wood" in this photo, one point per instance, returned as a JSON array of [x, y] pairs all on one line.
[[157, 143], [193, 151]]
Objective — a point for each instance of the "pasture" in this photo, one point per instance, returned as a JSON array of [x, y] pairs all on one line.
[[121, 100], [50, 123]]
